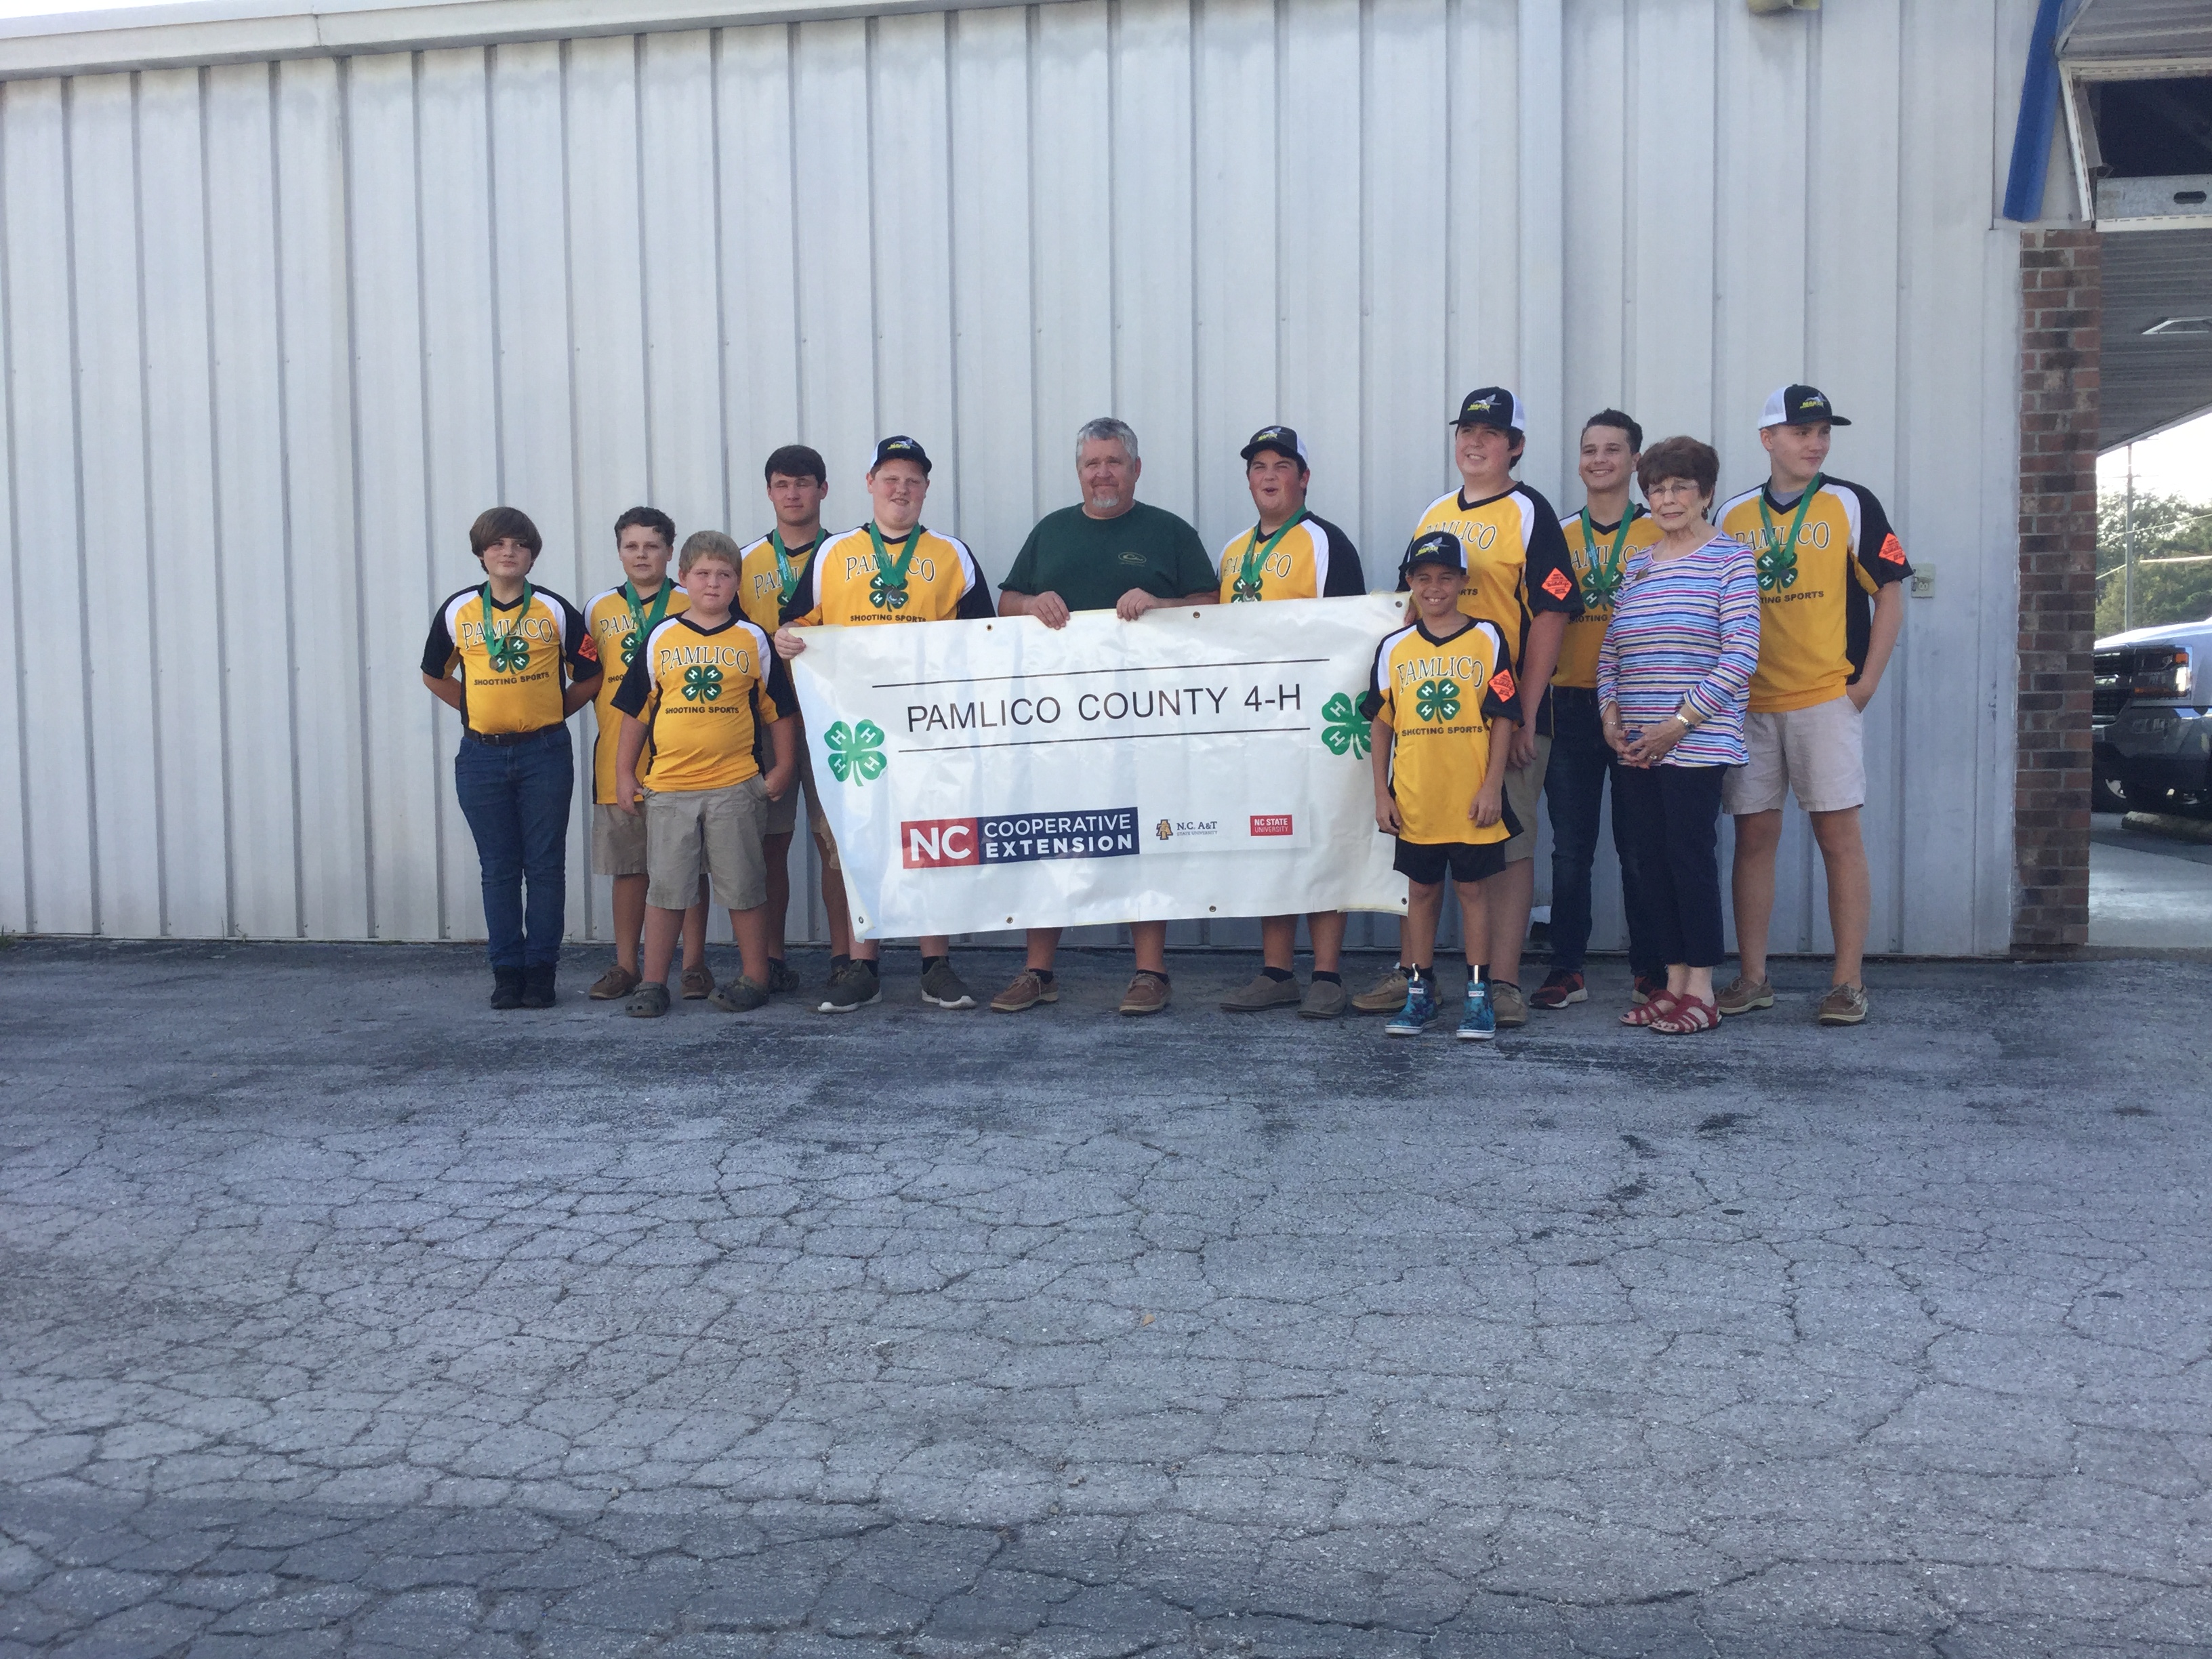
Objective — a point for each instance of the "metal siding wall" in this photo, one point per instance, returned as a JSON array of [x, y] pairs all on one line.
[[274, 334]]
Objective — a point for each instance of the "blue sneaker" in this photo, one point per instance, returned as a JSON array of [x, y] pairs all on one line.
[[1479, 1023], [1420, 1008]]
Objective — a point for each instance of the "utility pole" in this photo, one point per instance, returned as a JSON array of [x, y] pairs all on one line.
[[2128, 550]]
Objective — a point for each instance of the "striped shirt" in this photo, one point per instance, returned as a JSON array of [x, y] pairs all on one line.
[[1686, 627]]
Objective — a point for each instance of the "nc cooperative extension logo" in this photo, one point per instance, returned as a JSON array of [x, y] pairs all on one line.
[[1017, 838]]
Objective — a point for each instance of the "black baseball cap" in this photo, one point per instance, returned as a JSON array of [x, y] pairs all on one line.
[[1799, 405], [1282, 441], [901, 448], [1490, 405], [1437, 547]]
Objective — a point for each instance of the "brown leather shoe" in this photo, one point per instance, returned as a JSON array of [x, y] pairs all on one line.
[[1844, 1005], [698, 982], [615, 983], [1741, 995], [1147, 992], [1026, 992]]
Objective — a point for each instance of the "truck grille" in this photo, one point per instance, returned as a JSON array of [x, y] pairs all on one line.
[[2113, 674]]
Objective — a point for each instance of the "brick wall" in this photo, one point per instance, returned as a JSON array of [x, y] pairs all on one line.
[[2061, 310]]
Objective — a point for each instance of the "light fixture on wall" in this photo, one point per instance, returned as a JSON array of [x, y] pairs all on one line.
[[1764, 6]]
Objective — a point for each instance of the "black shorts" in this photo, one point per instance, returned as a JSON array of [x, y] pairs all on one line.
[[1427, 862]]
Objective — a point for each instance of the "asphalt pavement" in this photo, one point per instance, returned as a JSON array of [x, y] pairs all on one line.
[[343, 1316]]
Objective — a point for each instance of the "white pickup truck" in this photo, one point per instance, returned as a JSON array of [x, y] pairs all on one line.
[[2152, 720]]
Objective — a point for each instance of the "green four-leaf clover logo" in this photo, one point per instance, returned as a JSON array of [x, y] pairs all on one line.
[[702, 684], [885, 597], [509, 651], [1778, 569], [856, 754], [1438, 699], [629, 646], [1599, 588], [1342, 729]]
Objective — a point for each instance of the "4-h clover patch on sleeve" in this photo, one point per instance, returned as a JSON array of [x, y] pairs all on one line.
[[856, 753]]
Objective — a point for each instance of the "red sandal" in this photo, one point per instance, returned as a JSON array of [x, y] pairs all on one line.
[[1661, 1004], [1686, 1015]]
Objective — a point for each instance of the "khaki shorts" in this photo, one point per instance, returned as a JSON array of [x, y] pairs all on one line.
[[716, 832], [617, 842], [1524, 786], [1817, 754]]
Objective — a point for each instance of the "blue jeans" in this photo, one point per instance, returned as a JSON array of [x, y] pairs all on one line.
[[516, 797], [1574, 794]]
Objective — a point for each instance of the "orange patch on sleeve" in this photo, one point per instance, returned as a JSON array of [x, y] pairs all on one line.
[[1502, 682], [589, 649], [1891, 550], [1557, 585]]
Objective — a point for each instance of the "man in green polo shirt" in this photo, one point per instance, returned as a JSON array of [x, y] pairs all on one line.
[[1111, 553]]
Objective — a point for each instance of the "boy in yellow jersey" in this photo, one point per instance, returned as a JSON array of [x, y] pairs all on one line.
[[1290, 554], [1520, 578], [696, 695], [1442, 703], [526, 663], [890, 571], [620, 618], [1601, 539], [774, 568], [1830, 602]]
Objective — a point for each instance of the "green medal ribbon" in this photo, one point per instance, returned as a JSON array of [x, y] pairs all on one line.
[[509, 651], [642, 623], [887, 587], [1601, 585], [1778, 560], [786, 577], [1256, 559]]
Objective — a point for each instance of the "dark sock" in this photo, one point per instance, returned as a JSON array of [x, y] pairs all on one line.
[[874, 971], [1044, 975], [1278, 974], [1322, 977], [1418, 975], [928, 962], [836, 962]]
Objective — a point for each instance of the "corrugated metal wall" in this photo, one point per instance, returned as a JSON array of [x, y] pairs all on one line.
[[275, 333]]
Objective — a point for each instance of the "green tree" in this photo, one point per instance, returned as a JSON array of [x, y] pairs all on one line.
[[2167, 527]]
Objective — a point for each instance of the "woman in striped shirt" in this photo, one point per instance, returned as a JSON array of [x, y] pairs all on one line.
[[1673, 677]]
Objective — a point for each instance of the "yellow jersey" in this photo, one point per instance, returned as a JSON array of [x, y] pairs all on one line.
[[1516, 562], [1816, 589], [1438, 696], [514, 672], [1597, 572], [1311, 559], [615, 633], [761, 593], [844, 589], [704, 694]]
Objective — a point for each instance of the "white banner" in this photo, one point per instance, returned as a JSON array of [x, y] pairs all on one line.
[[1202, 761]]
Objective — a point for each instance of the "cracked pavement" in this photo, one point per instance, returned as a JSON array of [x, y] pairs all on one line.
[[343, 1316]]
